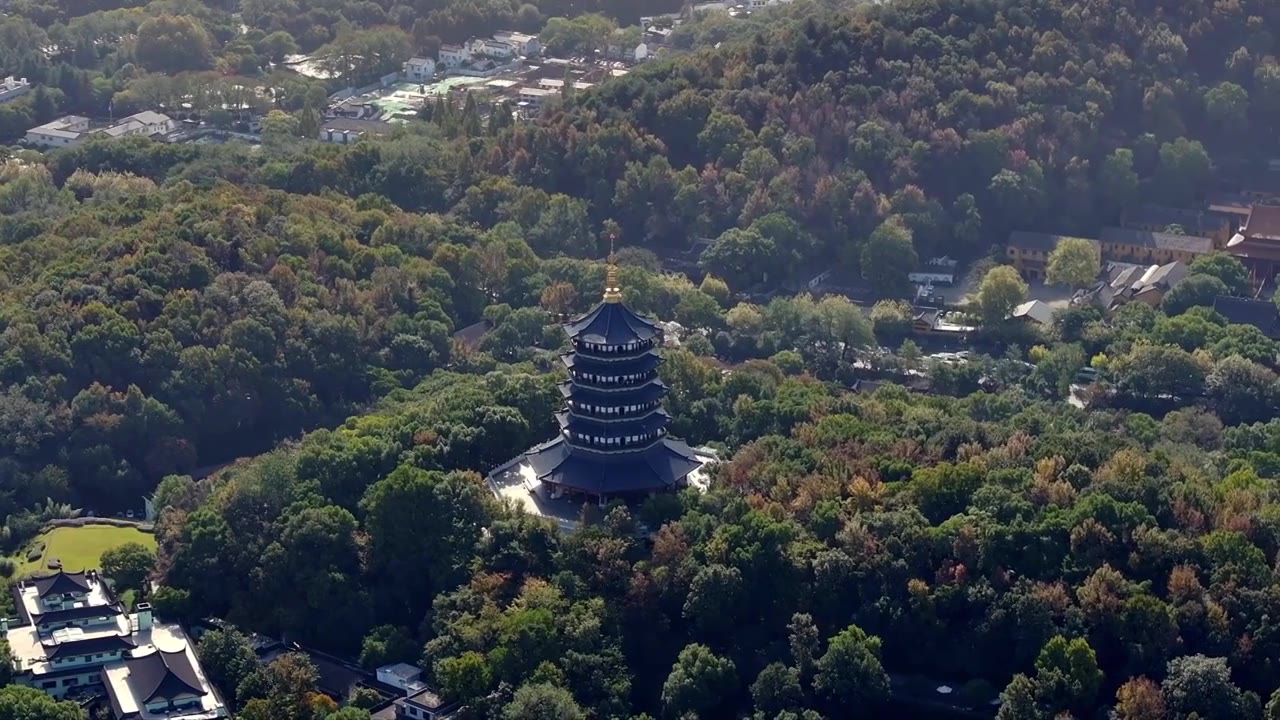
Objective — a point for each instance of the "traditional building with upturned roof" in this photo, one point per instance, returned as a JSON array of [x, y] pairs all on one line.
[[73, 639], [613, 441], [1257, 244], [613, 431]]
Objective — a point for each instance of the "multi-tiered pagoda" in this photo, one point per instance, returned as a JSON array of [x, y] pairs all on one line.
[[613, 439]]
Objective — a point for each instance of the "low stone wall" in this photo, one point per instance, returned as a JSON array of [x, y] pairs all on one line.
[[142, 525]]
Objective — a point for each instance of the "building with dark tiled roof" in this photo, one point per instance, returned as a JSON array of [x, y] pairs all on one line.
[[1261, 314], [1029, 252], [61, 583], [471, 335], [1159, 218], [73, 639], [1144, 246], [159, 684], [1257, 244]]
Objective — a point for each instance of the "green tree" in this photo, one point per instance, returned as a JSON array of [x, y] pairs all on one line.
[[364, 699], [277, 46], [1152, 370], [776, 690], [1018, 701], [173, 44], [850, 679], [278, 127], [742, 257], [1226, 268], [387, 644], [1000, 292], [1227, 107], [422, 527], [838, 320], [466, 677], [358, 57], [1075, 262], [542, 702], [1117, 181], [700, 682], [803, 640], [24, 703], [6, 663], [892, 320], [1194, 291], [888, 257], [1242, 391], [1067, 675], [128, 565], [227, 658], [715, 597], [1201, 686], [1185, 168]]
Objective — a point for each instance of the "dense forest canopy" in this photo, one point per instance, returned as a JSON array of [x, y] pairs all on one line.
[[165, 307]]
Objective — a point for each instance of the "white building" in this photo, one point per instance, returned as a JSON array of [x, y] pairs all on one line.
[[347, 131], [73, 129], [12, 88], [712, 6], [628, 54], [425, 704], [452, 56], [144, 123], [63, 132], [74, 639], [535, 97], [419, 69], [525, 44], [401, 675], [488, 47]]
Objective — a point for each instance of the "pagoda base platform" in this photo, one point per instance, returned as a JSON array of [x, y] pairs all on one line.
[[518, 482]]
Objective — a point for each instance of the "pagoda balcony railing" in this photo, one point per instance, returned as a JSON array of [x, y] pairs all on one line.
[[613, 383], [596, 442], [607, 413], [612, 352]]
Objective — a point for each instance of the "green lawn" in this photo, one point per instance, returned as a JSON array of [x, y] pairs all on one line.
[[81, 548]]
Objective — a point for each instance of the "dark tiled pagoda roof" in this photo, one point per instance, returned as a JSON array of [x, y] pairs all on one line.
[[652, 421], [161, 676], [88, 646], [661, 466], [79, 612], [61, 583], [611, 323]]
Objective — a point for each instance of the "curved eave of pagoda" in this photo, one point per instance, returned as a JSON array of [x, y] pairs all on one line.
[[650, 421], [611, 394], [611, 324], [644, 360]]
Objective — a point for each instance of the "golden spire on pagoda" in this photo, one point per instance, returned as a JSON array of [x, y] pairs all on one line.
[[612, 287]]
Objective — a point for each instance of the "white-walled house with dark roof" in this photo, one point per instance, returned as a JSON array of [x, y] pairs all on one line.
[[73, 639]]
